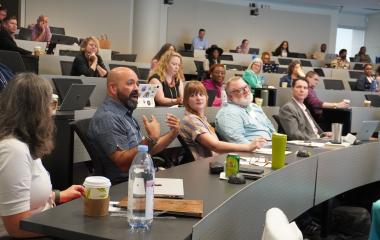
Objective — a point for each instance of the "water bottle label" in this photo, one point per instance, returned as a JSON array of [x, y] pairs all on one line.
[[149, 199], [138, 187]]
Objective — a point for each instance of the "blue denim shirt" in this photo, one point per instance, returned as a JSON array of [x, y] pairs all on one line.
[[113, 128], [235, 124], [199, 44]]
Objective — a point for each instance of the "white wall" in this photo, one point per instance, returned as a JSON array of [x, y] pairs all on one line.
[[226, 25], [372, 38], [83, 18]]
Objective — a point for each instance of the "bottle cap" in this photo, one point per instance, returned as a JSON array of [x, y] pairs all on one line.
[[142, 148]]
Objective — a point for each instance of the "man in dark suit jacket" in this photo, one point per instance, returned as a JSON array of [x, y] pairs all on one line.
[[7, 41], [295, 119]]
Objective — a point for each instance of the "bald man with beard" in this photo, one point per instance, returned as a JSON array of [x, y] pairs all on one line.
[[115, 133]]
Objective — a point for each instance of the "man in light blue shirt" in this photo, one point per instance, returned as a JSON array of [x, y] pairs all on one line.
[[200, 42], [240, 120]]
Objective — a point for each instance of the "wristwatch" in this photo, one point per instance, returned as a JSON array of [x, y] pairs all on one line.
[[151, 142]]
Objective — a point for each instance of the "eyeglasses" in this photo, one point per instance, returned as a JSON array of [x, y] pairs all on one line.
[[240, 90]]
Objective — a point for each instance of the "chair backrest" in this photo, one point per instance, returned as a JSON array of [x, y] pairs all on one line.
[[187, 46], [188, 155], [80, 127], [226, 57], [280, 129], [70, 53], [355, 74], [284, 61], [358, 66], [277, 227], [186, 53], [24, 34], [320, 72], [66, 67], [333, 84], [144, 73], [353, 85], [254, 51], [375, 99], [306, 63], [57, 30], [13, 60], [124, 57]]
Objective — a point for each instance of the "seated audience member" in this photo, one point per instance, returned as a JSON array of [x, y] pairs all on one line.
[[166, 47], [41, 31], [252, 75], [341, 61], [241, 121], [89, 63], [367, 81], [200, 42], [296, 120], [378, 74], [282, 50], [361, 56], [313, 103], [265, 57], [198, 134], [7, 36], [115, 133], [320, 55], [6, 75], [169, 75], [26, 135], [3, 14], [294, 71], [213, 54], [243, 47], [217, 73]]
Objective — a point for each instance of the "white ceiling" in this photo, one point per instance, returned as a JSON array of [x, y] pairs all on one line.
[[345, 6]]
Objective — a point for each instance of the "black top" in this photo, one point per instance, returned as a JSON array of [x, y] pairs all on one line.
[[169, 92], [212, 61], [8, 43], [81, 66]]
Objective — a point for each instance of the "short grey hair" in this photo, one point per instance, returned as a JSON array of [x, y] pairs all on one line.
[[229, 81], [256, 60]]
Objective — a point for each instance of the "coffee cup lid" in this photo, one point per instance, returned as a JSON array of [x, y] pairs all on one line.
[[97, 182]]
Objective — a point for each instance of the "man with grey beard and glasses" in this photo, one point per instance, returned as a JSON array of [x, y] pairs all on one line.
[[115, 134], [240, 120]]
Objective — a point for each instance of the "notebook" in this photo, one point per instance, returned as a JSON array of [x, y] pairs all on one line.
[[76, 97], [366, 130]]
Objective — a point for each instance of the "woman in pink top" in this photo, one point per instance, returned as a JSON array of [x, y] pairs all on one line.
[[217, 74]]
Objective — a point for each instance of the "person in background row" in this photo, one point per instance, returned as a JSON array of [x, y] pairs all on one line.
[[198, 134], [115, 134], [26, 135], [265, 57], [88, 62], [341, 61], [213, 54], [313, 103], [295, 119], [200, 42], [320, 55], [240, 120], [282, 50], [252, 74], [378, 74], [154, 63], [3, 14], [7, 36], [243, 47], [367, 81], [217, 74], [294, 71], [361, 56], [169, 76], [41, 31]]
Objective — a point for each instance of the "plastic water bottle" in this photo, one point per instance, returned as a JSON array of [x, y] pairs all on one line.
[[224, 96], [141, 190]]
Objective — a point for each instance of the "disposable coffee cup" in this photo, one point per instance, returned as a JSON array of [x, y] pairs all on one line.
[[337, 132], [37, 51], [367, 103], [348, 101], [96, 196], [259, 101], [284, 84]]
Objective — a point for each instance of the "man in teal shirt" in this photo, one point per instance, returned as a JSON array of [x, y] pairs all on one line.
[[240, 120]]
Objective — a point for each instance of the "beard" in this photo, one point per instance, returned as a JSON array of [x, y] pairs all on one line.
[[244, 102], [127, 101]]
